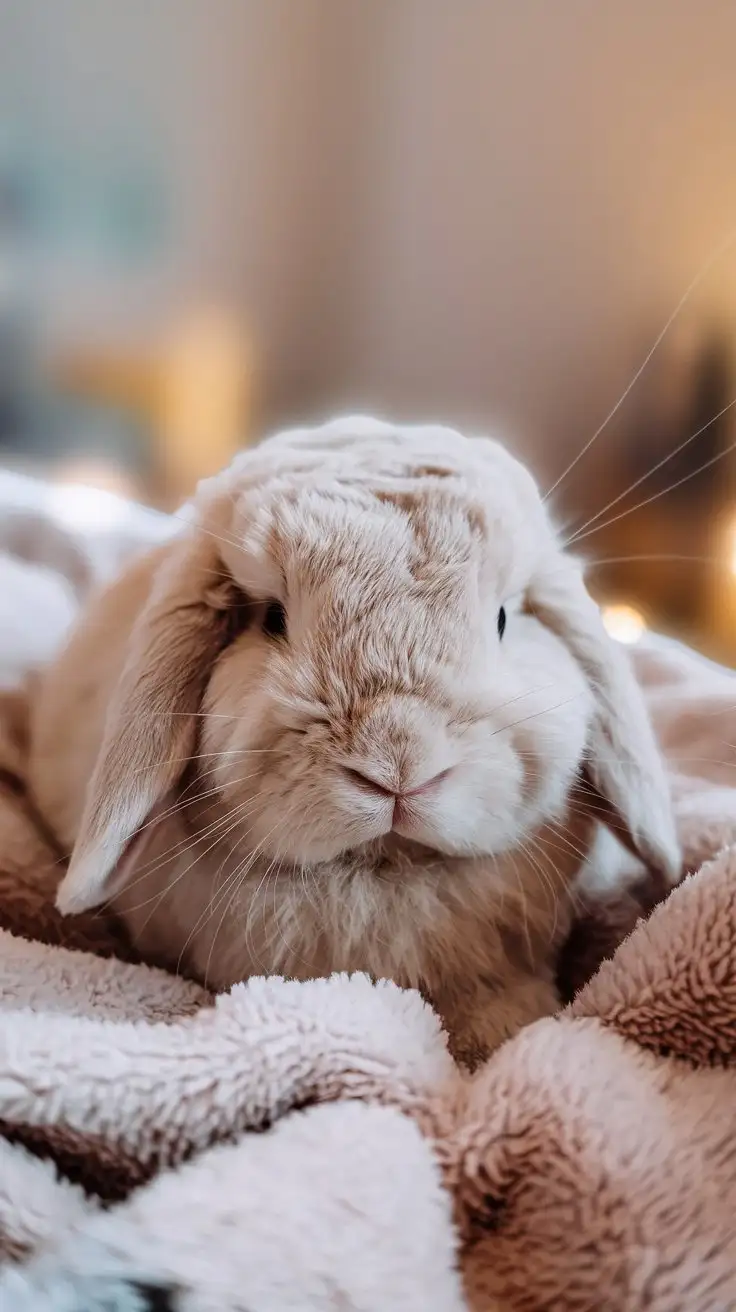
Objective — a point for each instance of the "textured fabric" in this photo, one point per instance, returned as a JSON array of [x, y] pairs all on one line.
[[313, 1146]]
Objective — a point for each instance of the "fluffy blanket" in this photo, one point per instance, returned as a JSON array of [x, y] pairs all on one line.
[[312, 1146]]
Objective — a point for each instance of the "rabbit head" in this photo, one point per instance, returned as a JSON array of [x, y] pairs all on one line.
[[369, 630]]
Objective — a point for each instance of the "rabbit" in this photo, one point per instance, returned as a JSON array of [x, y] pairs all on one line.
[[359, 714]]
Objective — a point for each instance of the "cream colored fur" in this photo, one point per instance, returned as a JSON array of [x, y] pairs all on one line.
[[234, 790]]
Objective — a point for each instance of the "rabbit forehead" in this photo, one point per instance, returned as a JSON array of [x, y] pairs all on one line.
[[433, 536], [422, 502]]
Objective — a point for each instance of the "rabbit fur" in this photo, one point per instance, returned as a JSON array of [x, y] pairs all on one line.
[[359, 714]]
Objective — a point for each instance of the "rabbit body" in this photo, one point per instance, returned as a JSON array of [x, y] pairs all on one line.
[[360, 714]]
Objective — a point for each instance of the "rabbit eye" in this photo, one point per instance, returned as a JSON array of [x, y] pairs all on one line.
[[274, 620], [501, 622]]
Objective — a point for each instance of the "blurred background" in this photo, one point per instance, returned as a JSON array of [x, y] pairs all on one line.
[[218, 216]]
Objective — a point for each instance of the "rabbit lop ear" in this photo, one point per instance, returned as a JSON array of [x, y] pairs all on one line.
[[151, 723], [623, 763]]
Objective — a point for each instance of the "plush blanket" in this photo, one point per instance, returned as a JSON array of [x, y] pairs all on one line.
[[313, 1146]]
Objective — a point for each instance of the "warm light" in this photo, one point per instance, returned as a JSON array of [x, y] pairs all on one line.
[[89, 497], [95, 473], [732, 549], [203, 397], [624, 623]]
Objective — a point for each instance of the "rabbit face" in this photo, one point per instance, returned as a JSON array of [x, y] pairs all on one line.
[[385, 675], [367, 637]]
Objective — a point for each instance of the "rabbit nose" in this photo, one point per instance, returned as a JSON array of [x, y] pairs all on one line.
[[369, 783]]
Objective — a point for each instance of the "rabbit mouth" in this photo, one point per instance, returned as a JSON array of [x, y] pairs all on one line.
[[405, 820]]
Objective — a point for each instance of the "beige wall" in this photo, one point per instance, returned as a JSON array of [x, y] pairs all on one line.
[[479, 209]]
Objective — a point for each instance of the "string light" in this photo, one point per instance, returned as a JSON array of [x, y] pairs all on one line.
[[624, 623]]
